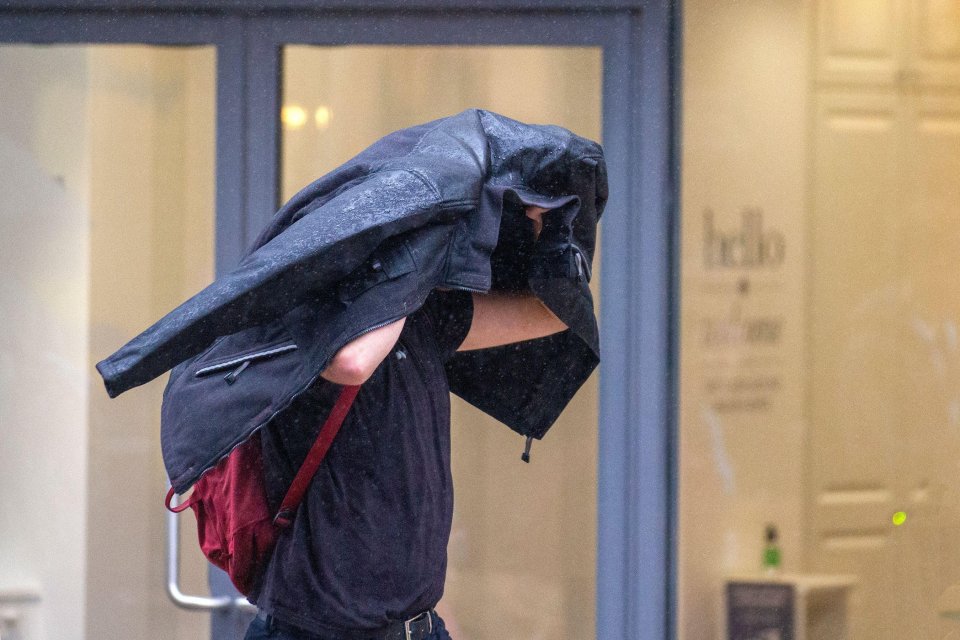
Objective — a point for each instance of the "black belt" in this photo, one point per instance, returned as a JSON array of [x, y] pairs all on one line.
[[418, 627]]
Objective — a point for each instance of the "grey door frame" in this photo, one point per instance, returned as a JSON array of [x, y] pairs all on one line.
[[640, 39]]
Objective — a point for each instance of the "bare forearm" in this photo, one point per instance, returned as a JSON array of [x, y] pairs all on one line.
[[500, 318]]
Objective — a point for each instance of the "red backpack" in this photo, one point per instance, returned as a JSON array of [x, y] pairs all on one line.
[[236, 529]]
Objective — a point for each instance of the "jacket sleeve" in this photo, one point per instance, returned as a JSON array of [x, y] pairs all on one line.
[[309, 256], [536, 379]]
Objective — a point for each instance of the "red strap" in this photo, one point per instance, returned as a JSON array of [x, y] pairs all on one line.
[[180, 507], [317, 452]]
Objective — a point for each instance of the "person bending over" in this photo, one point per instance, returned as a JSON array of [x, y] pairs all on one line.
[[366, 556]]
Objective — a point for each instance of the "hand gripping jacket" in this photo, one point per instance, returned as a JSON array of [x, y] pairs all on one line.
[[438, 205]]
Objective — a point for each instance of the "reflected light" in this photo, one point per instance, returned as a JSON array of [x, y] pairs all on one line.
[[293, 116], [322, 117]]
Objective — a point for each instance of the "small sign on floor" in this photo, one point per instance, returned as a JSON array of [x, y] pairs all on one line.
[[760, 611]]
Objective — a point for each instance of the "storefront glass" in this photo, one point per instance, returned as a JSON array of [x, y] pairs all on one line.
[[106, 223], [820, 365]]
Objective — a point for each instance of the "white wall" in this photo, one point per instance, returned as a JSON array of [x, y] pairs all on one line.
[[742, 424], [152, 192], [44, 301], [106, 223]]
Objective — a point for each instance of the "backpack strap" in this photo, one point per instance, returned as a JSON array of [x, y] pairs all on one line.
[[317, 452], [182, 506]]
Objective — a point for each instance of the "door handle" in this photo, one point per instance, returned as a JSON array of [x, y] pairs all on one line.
[[200, 603]]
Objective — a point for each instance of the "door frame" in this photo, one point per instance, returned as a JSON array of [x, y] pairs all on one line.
[[640, 40]]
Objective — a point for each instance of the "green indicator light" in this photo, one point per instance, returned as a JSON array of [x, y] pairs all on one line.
[[899, 518]]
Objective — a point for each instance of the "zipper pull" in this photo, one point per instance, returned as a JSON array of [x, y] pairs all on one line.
[[232, 376], [525, 456], [583, 267]]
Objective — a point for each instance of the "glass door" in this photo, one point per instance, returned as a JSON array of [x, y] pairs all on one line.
[[133, 173], [820, 419], [107, 184], [522, 553]]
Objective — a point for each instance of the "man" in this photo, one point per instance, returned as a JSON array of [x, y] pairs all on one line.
[[366, 554], [456, 202]]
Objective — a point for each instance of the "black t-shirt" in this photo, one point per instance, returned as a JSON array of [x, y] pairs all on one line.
[[368, 545]]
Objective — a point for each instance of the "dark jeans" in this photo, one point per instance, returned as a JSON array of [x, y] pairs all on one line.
[[263, 630]]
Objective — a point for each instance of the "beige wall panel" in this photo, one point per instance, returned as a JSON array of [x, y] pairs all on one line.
[[933, 51], [152, 208], [883, 308], [928, 357], [852, 287], [44, 300], [115, 157], [742, 429], [859, 41], [854, 298]]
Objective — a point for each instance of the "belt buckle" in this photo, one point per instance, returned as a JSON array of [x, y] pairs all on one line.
[[407, 633]]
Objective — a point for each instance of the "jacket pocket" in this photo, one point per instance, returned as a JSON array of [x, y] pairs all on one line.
[[386, 263], [235, 364]]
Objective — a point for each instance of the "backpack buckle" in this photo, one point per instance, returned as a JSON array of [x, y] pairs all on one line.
[[283, 519]]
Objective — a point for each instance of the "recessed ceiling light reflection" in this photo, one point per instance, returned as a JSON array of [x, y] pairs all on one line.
[[322, 117], [293, 116]]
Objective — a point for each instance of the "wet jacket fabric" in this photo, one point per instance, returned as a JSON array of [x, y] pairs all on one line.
[[438, 205]]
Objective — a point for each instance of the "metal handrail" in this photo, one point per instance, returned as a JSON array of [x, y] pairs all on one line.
[[201, 603]]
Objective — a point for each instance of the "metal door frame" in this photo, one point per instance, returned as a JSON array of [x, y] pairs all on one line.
[[640, 39]]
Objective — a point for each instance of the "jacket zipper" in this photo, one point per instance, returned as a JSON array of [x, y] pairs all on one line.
[[525, 456]]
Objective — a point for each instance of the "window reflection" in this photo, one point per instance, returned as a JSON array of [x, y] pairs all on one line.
[[106, 222], [819, 371]]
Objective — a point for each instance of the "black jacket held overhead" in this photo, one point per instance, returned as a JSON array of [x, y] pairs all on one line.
[[436, 205]]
